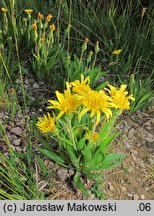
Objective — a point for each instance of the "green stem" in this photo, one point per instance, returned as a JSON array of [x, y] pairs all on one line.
[[92, 134], [70, 131]]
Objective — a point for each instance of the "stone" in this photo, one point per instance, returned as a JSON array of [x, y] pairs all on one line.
[[151, 161], [142, 196], [126, 126], [141, 163], [123, 189], [130, 169], [136, 197], [19, 123], [130, 195], [149, 137], [134, 151], [16, 142], [149, 128], [131, 133], [17, 131], [36, 85], [92, 197], [128, 145], [111, 188], [26, 81], [134, 158], [62, 174], [151, 109], [122, 181], [152, 121], [71, 172]]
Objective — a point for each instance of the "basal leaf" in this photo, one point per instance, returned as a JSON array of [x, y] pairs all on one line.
[[52, 156], [79, 184]]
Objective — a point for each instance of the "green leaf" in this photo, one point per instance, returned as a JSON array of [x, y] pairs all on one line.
[[81, 144], [87, 156], [72, 156], [145, 97], [92, 176], [105, 130], [109, 162], [51, 62], [98, 157], [65, 140], [80, 185], [42, 166], [111, 158], [52, 156], [100, 87], [108, 140]]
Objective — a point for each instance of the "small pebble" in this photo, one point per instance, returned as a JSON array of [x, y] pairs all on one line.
[[151, 161], [136, 197], [130, 195], [142, 196], [36, 85], [63, 174], [149, 137], [131, 133], [130, 169], [122, 181], [111, 188], [26, 81], [123, 189], [134, 158], [16, 142], [134, 151], [127, 146], [17, 131]]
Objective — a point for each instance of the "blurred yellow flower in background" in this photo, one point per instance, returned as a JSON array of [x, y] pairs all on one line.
[[46, 124], [40, 16], [34, 26], [48, 18], [52, 27], [4, 10], [117, 52], [28, 11]]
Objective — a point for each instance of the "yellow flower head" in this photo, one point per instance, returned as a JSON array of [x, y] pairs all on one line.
[[28, 11], [96, 102], [34, 26], [52, 27], [119, 97], [46, 124], [4, 10], [67, 102], [94, 138], [48, 18], [82, 87], [117, 52], [40, 16]]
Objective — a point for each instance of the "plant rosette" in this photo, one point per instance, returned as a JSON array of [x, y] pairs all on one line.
[[83, 126]]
